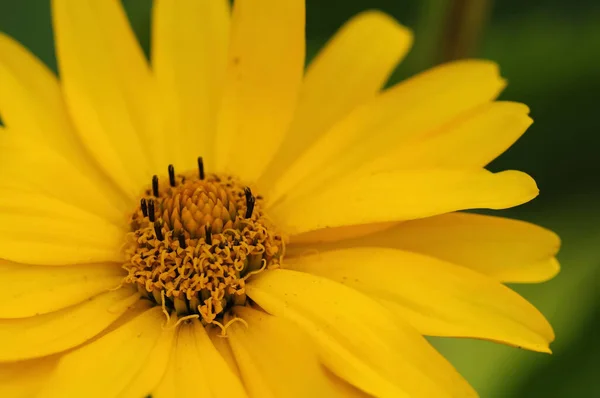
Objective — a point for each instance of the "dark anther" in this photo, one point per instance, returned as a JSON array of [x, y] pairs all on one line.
[[155, 186], [181, 239], [201, 168], [158, 231], [250, 200], [222, 245], [151, 210], [236, 242], [208, 235], [144, 207], [171, 175]]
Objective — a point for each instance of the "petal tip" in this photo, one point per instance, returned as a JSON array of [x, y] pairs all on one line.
[[386, 23]]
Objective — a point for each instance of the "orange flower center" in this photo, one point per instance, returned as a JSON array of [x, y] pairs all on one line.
[[195, 240]]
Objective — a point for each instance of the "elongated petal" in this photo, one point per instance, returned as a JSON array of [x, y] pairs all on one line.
[[104, 367], [25, 378], [155, 366], [300, 243], [358, 339], [224, 349], [31, 165], [473, 141], [346, 389], [266, 63], [190, 40], [349, 71], [34, 290], [503, 249], [46, 231], [276, 358], [108, 88], [58, 331], [404, 195], [436, 297], [30, 98], [197, 369], [33, 109], [406, 112]]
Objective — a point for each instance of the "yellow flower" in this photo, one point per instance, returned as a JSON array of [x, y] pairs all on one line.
[[305, 236]]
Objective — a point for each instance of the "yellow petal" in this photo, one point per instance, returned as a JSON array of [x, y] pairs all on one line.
[[197, 369], [32, 289], [25, 378], [503, 249], [30, 97], [224, 349], [404, 195], [266, 63], [105, 367], [404, 113], [41, 230], [58, 331], [471, 141], [190, 40], [108, 89], [358, 339], [32, 106], [308, 240], [349, 71], [346, 389], [153, 368], [276, 358], [33, 166], [436, 297]]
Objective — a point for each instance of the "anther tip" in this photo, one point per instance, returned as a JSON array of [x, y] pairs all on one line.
[[250, 201], [155, 185], [201, 167], [144, 207], [208, 234], [171, 175], [181, 239], [151, 214], [158, 230]]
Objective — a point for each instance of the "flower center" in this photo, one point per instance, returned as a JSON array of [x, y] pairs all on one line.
[[195, 240]]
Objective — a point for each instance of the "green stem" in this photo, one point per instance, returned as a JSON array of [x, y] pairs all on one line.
[[463, 28]]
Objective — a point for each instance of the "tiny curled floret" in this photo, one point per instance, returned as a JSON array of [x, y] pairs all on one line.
[[194, 241]]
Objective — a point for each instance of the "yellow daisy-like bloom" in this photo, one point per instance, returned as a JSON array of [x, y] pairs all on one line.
[[222, 223]]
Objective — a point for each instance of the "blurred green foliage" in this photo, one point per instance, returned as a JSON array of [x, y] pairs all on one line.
[[549, 50]]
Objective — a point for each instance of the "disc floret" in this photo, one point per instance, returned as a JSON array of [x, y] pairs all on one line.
[[194, 241]]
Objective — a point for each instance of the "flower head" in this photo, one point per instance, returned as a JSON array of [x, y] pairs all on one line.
[[221, 222]]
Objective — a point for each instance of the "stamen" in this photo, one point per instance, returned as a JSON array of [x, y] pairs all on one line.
[[158, 230], [208, 234], [181, 239], [201, 168], [155, 186], [151, 214], [144, 207], [171, 175], [250, 201], [224, 327]]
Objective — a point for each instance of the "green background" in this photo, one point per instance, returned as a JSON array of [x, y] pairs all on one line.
[[550, 53]]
